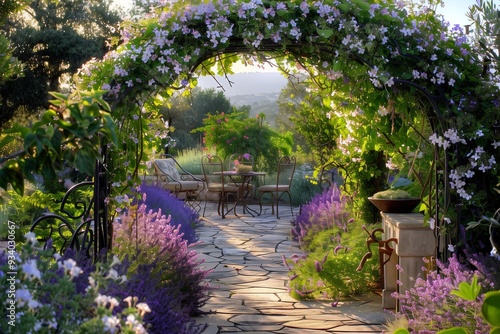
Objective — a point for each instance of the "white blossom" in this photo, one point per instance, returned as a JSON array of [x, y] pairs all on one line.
[[31, 271], [111, 324], [30, 237], [432, 223], [71, 268], [143, 308]]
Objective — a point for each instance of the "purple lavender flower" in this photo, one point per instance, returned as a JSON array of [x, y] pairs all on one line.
[[325, 210], [318, 266], [429, 305], [182, 215]]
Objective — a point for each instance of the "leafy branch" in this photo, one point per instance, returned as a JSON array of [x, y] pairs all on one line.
[[70, 132]]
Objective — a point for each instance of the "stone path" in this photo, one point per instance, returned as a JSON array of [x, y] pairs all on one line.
[[249, 292]]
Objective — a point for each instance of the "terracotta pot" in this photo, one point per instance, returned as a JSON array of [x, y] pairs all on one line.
[[404, 205]]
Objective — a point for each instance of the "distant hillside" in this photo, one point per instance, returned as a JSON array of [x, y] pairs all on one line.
[[259, 90], [246, 83]]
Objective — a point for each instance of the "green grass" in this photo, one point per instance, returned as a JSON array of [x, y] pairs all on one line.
[[190, 160]]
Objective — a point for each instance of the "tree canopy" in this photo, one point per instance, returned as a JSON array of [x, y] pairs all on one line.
[[53, 40], [10, 66]]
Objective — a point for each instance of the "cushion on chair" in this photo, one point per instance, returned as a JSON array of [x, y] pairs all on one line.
[[272, 187], [167, 166], [214, 187], [181, 186]]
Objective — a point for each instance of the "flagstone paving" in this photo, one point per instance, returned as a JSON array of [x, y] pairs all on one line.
[[249, 293]]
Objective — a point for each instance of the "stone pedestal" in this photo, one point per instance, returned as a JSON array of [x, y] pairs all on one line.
[[414, 243]]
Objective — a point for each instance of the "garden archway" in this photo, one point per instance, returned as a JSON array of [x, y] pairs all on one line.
[[366, 52]]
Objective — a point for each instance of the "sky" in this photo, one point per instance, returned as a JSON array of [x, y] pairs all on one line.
[[455, 11]]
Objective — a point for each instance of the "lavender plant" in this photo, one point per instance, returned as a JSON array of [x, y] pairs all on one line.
[[182, 215], [326, 210], [433, 305], [169, 311], [156, 249]]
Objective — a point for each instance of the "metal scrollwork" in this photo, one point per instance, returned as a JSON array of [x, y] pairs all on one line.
[[70, 229]]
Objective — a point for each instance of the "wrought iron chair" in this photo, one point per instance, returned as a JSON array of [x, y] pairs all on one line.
[[213, 169], [184, 183], [282, 186]]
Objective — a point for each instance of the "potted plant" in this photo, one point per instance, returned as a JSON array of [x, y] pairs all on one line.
[[395, 201]]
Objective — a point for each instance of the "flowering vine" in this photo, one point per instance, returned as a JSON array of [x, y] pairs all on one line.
[[366, 54]]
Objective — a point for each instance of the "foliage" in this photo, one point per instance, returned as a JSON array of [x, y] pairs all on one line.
[[227, 134], [10, 7], [393, 194], [186, 113], [71, 132], [289, 103], [333, 133], [326, 210], [40, 294], [446, 299], [190, 160], [10, 66], [302, 188], [52, 40], [484, 15], [145, 237], [167, 315], [23, 210], [335, 247], [140, 133], [311, 121]]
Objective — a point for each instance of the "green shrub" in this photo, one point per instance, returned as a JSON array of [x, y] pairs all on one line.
[[230, 133], [335, 246], [24, 210], [329, 271]]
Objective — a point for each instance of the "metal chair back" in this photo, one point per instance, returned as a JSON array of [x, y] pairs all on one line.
[[213, 169]]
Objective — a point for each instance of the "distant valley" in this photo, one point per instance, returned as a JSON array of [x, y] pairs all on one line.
[[246, 83], [259, 90]]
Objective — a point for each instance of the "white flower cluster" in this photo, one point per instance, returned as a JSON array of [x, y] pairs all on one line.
[[450, 136], [113, 324], [158, 48], [32, 315], [383, 111], [478, 160]]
